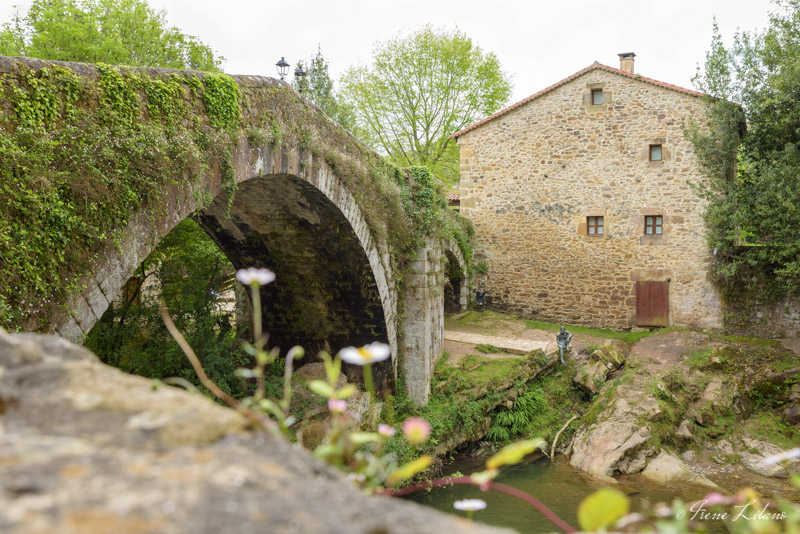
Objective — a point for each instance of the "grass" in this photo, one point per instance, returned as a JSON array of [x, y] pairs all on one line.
[[627, 337], [768, 426], [490, 349]]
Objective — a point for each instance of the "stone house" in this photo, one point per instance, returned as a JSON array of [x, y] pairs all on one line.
[[581, 200]]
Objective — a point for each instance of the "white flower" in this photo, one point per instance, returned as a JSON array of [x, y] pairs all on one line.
[[374, 352], [252, 276], [787, 455], [470, 505]]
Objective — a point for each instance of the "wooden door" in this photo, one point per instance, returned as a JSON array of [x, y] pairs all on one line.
[[652, 303]]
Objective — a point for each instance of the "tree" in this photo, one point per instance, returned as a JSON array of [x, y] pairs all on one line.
[[754, 175], [419, 90], [120, 32], [317, 86]]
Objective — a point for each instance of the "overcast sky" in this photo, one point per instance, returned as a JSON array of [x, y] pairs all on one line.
[[537, 42]]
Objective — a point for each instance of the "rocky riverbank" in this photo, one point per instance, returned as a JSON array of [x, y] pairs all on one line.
[[675, 406]]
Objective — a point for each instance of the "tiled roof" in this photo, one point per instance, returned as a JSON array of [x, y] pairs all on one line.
[[453, 197], [569, 79]]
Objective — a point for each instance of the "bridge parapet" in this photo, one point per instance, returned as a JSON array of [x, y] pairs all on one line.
[[128, 153]]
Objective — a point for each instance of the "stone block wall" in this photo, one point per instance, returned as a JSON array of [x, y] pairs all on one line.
[[422, 340], [532, 176]]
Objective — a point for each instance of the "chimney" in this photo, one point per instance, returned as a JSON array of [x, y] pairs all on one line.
[[626, 61]]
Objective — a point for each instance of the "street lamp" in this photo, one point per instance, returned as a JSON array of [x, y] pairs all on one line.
[[300, 75], [283, 68]]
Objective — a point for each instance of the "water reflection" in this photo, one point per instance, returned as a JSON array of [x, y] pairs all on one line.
[[560, 487]]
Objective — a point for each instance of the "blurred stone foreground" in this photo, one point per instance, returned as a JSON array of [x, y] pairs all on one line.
[[87, 449]]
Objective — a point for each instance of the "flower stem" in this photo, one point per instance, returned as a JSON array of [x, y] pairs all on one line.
[[491, 485], [368, 382]]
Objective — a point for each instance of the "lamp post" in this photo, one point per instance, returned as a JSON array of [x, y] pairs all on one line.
[[300, 76], [283, 68]]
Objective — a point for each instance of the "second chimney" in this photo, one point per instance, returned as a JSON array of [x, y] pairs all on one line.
[[626, 61]]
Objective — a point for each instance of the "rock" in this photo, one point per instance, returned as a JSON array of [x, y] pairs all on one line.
[[87, 448], [725, 446], [316, 371], [683, 430], [635, 464], [601, 448], [592, 375], [714, 364], [756, 463], [792, 414], [688, 456], [313, 434], [669, 470], [743, 407], [717, 394]]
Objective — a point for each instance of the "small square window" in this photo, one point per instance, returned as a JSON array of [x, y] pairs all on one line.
[[653, 224], [655, 152], [594, 225], [597, 97]]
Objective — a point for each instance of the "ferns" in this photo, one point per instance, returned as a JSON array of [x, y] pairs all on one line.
[[517, 420]]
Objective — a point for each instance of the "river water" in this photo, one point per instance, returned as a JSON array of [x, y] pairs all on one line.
[[558, 485]]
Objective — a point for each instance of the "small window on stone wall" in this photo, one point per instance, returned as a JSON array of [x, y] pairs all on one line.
[[597, 97], [594, 226], [653, 224], [655, 152]]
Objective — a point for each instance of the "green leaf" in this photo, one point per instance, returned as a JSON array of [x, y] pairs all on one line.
[[346, 392], [602, 509], [360, 438], [514, 453], [322, 388], [410, 469], [327, 450]]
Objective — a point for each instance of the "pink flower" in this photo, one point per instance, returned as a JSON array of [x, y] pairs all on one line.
[[716, 498], [416, 430], [385, 430], [337, 405]]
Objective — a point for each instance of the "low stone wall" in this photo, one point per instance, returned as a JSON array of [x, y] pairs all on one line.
[[778, 320], [87, 448]]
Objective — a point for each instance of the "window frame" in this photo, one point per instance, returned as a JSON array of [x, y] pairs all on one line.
[[654, 222], [596, 92], [660, 148], [593, 224]]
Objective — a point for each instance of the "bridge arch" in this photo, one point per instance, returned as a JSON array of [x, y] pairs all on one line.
[[286, 198], [195, 137]]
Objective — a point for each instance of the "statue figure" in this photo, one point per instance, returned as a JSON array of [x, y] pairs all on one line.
[[563, 338]]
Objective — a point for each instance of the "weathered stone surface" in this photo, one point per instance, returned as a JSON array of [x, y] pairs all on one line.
[[87, 449], [683, 430], [310, 215], [756, 463], [592, 375], [532, 176], [617, 434], [669, 470]]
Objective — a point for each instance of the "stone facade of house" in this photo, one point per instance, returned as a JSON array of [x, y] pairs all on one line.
[[580, 192]]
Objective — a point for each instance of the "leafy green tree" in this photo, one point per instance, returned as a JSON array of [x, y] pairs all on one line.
[[120, 32], [186, 269], [754, 174], [189, 273], [318, 87], [419, 90]]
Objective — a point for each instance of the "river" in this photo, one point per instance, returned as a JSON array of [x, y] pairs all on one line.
[[557, 484]]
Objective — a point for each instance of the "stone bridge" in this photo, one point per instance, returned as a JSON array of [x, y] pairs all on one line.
[[285, 188]]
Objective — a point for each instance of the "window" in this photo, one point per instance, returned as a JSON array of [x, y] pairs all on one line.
[[655, 152], [653, 224], [594, 225], [597, 97]]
